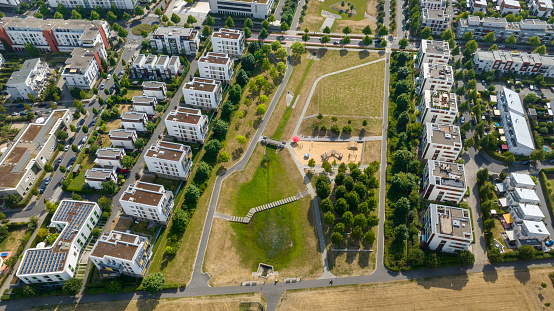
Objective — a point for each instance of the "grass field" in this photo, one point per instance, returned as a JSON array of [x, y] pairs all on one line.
[[505, 289], [313, 19], [372, 151], [138, 28], [283, 237], [11, 243]]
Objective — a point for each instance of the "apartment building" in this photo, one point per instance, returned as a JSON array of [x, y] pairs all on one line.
[[509, 7], [154, 89], [436, 107], [216, 66], [203, 93], [260, 9], [31, 79], [84, 67], [540, 8], [228, 41], [516, 129], [435, 77], [51, 266], [10, 3], [477, 6], [145, 104], [169, 160], [86, 4], [53, 35], [437, 20], [155, 67], [147, 201], [433, 52], [528, 212], [441, 142], [187, 124], [522, 196], [109, 157], [532, 233], [23, 161], [522, 63], [447, 229], [134, 121], [444, 182], [176, 40], [522, 30], [120, 253], [432, 4], [123, 138], [96, 176]]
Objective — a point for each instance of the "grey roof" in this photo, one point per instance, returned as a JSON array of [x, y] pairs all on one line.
[[22, 75]]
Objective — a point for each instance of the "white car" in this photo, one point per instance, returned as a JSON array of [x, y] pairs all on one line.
[[67, 147], [109, 77]]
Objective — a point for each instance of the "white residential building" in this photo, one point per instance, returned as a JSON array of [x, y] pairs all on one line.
[[435, 107], [203, 93], [123, 138], [10, 3], [96, 176], [516, 129], [526, 212], [109, 157], [522, 196], [477, 6], [441, 142], [52, 265], [54, 35], [432, 4], [176, 40], [433, 52], [134, 121], [154, 89], [86, 4], [155, 67], [509, 7], [84, 67], [260, 9], [435, 77], [522, 63], [216, 66], [169, 160], [540, 8], [447, 229], [119, 253], [228, 41], [145, 104], [522, 30], [532, 233], [444, 182], [187, 124], [147, 201], [22, 163], [31, 79], [518, 180], [437, 20]]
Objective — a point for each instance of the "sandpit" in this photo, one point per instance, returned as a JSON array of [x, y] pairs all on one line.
[[351, 151]]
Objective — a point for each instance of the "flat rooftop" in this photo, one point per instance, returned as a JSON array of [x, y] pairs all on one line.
[[47, 24], [175, 31], [435, 47], [27, 69], [450, 174], [227, 34], [185, 115], [436, 71], [453, 221], [133, 116], [80, 59], [142, 196], [203, 85], [435, 14], [153, 85], [144, 100], [122, 133], [118, 244], [169, 151], [443, 134], [98, 173], [446, 101], [215, 58]]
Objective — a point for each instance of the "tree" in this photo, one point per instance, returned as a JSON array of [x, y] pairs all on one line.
[[229, 23], [297, 48], [126, 15], [128, 161], [31, 50], [326, 205], [210, 21], [105, 203], [471, 47], [482, 176], [139, 10], [248, 23], [511, 39], [61, 135], [140, 143], [158, 12], [537, 155], [153, 283], [281, 53], [212, 148], [367, 40], [176, 19], [534, 41], [383, 31], [38, 15], [322, 187], [372, 221], [192, 193], [284, 26], [369, 237], [431, 260], [347, 30], [367, 30], [72, 286], [75, 15], [329, 219], [493, 47], [122, 32], [191, 20], [540, 50], [271, 18], [489, 37], [360, 221], [305, 37], [112, 17], [265, 24], [109, 188], [114, 286], [403, 43], [466, 257], [180, 220], [527, 252], [336, 238], [241, 139], [261, 109], [425, 33], [263, 34], [203, 172], [346, 40]]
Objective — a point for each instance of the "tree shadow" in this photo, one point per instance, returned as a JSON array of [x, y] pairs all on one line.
[[149, 302], [491, 275], [313, 223], [456, 282], [363, 54], [522, 275], [343, 52], [257, 122], [236, 154], [221, 170]]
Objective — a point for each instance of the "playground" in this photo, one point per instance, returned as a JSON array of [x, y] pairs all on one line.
[[318, 150]]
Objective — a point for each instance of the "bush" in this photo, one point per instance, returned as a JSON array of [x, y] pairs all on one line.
[[72, 286], [153, 283]]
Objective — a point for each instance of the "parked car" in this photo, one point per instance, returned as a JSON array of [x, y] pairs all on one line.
[[197, 27], [23, 113], [66, 147], [525, 163], [462, 120], [56, 166], [473, 121], [47, 180], [41, 191], [19, 106], [109, 77], [78, 129], [70, 141], [103, 85], [80, 147], [60, 159], [124, 171], [15, 114], [84, 140], [82, 121], [61, 180], [71, 161]]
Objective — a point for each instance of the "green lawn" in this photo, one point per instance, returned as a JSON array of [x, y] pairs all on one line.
[[136, 30]]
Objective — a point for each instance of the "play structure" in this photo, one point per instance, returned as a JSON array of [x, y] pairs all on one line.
[[326, 156], [276, 143]]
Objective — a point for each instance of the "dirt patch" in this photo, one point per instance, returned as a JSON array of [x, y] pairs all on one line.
[[121, 223], [349, 151], [115, 124], [371, 8], [13, 240], [18, 125], [372, 151], [515, 290]]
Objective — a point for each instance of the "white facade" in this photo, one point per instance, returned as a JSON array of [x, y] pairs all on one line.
[[522, 196], [147, 201], [522, 30], [441, 142], [123, 138], [187, 124], [509, 7], [432, 4], [540, 8], [120, 4], [254, 9], [109, 157], [154, 89], [532, 233], [57, 263], [176, 40], [216, 66], [518, 180], [526, 212], [135, 121], [228, 41], [478, 6], [96, 176], [84, 67], [435, 107], [145, 104], [31, 79], [522, 63], [516, 129], [435, 77], [437, 20], [154, 67], [203, 93], [118, 253], [169, 160], [447, 229], [444, 182], [433, 52], [10, 3]]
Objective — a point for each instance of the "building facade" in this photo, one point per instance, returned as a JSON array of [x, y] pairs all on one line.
[[216, 66], [444, 182], [509, 7], [96, 176], [521, 63], [441, 142], [437, 20], [155, 67], [147, 201], [122, 138], [433, 52], [169, 160], [109, 157], [432, 4], [84, 67], [135, 121], [187, 124], [31, 79], [520, 196], [260, 9], [434, 77], [86, 4], [526, 212], [447, 229], [176, 40], [435, 107], [228, 41], [203, 93], [477, 6], [154, 89], [540, 8], [522, 30], [517, 132], [145, 104]]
